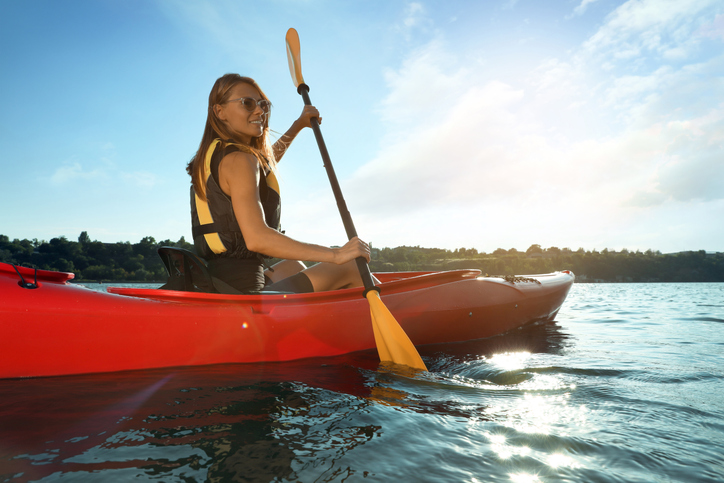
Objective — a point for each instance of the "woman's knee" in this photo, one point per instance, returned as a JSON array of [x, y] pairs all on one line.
[[351, 274], [354, 276]]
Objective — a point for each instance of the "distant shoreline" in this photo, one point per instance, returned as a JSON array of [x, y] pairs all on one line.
[[93, 261]]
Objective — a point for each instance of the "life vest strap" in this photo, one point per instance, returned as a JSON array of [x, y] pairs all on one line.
[[224, 225]]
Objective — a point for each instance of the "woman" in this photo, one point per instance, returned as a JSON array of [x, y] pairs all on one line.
[[235, 204]]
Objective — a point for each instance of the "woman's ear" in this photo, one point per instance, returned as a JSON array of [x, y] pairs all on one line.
[[219, 111]]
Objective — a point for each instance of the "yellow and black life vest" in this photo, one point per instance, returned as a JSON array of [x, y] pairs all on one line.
[[215, 229]]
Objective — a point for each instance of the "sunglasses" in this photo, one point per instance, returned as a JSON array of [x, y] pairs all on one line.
[[250, 103]]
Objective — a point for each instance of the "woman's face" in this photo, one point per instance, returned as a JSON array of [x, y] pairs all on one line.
[[246, 125]]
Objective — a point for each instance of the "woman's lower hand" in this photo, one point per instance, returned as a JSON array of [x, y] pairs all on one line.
[[354, 248]]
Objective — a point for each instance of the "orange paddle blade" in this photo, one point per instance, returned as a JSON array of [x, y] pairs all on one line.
[[392, 343], [294, 57]]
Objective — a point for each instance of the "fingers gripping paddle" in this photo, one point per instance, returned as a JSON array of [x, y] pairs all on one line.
[[392, 342]]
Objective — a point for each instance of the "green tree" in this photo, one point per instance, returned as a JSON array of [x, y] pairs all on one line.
[[84, 239], [534, 249]]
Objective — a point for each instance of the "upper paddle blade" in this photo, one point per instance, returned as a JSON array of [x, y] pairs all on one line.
[[294, 57], [392, 342]]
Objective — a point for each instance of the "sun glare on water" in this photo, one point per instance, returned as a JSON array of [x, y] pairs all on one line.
[[510, 361]]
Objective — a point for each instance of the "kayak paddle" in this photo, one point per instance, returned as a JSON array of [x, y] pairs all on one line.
[[393, 344]]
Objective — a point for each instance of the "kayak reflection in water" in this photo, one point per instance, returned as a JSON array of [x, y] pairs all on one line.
[[235, 202]]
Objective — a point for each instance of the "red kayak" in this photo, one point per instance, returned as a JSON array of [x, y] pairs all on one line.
[[51, 327]]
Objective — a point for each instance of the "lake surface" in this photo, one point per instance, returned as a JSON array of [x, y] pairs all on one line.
[[627, 385]]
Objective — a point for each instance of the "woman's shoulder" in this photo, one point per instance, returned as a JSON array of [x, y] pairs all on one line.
[[238, 156], [238, 166]]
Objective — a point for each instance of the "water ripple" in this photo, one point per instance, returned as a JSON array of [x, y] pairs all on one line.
[[625, 386]]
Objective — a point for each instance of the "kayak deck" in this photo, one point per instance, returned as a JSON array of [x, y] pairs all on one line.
[[389, 282]]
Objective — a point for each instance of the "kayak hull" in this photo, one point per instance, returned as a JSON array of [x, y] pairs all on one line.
[[60, 328]]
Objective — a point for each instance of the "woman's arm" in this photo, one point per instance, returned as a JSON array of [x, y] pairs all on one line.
[[239, 178], [304, 120]]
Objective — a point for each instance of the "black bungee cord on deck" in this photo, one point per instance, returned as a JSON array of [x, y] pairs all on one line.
[[23, 283]]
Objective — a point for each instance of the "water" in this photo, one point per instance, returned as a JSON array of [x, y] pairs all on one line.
[[625, 386]]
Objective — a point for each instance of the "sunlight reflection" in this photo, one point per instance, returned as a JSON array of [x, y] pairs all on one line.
[[543, 382], [540, 414], [510, 361], [504, 450], [560, 460], [523, 478]]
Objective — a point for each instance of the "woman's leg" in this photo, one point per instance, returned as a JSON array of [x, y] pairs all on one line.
[[323, 276], [284, 269], [328, 276]]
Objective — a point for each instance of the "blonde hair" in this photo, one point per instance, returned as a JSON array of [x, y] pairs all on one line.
[[261, 146]]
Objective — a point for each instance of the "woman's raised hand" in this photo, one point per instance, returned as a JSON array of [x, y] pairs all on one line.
[[352, 249], [305, 118]]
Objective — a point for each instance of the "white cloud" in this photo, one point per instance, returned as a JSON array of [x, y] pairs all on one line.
[[667, 94], [693, 169], [414, 14], [415, 18], [141, 179], [567, 152], [450, 153], [424, 86], [581, 8], [71, 172], [628, 90], [715, 29], [105, 174], [661, 27]]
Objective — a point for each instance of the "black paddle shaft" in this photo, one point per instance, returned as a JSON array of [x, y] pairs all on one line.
[[364, 269]]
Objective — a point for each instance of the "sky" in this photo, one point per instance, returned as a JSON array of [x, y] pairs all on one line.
[[480, 123]]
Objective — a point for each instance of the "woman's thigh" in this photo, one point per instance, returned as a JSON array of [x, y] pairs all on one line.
[[324, 276], [284, 269], [329, 276]]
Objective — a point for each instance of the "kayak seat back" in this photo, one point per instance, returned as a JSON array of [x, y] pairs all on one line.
[[188, 273]]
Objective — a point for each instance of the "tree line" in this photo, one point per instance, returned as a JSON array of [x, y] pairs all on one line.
[[589, 266], [92, 260]]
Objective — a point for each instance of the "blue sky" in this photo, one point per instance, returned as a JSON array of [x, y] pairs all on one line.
[[485, 124]]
